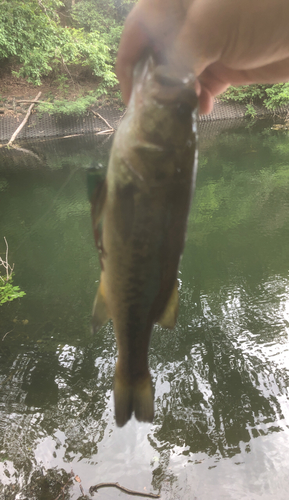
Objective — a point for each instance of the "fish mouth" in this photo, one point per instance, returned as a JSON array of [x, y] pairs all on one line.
[[173, 87], [171, 77], [183, 97], [166, 84]]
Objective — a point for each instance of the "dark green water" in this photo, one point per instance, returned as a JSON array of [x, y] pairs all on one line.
[[221, 376]]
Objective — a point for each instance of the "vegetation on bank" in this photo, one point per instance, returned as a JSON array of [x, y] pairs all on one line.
[[68, 41], [8, 291], [78, 107], [270, 96], [65, 41]]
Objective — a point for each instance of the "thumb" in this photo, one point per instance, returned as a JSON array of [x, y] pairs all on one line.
[[200, 40]]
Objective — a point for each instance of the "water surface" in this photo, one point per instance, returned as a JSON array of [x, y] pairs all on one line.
[[221, 376]]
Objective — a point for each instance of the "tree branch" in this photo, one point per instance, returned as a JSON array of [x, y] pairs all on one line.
[[34, 101], [24, 121], [5, 263], [122, 488], [103, 132], [28, 152], [103, 119]]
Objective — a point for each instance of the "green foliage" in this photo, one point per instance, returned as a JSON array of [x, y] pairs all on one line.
[[251, 111], [31, 33], [245, 94], [61, 108], [105, 17], [62, 82], [8, 291], [277, 95], [271, 96], [101, 17], [25, 32]]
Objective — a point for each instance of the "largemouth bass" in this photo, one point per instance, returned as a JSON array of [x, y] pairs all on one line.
[[144, 205]]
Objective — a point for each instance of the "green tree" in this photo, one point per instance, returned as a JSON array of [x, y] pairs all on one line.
[[31, 35], [271, 96]]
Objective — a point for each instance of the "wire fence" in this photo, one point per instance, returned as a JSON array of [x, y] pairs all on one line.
[[47, 126]]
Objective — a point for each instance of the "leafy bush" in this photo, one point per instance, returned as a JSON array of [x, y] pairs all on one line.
[[76, 108], [28, 34], [9, 292], [31, 33], [277, 95], [245, 94], [251, 111], [271, 96], [101, 17]]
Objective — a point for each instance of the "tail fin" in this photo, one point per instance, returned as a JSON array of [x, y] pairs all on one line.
[[136, 397]]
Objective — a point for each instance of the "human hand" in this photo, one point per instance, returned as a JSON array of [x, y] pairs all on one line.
[[224, 42]]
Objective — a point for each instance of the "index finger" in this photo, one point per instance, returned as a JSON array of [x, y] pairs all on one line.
[[134, 42], [151, 26]]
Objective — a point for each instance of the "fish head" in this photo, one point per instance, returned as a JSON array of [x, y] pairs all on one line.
[[166, 104]]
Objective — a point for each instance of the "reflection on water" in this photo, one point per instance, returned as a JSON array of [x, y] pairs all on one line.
[[221, 376]]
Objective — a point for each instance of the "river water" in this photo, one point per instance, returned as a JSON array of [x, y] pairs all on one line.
[[221, 376]]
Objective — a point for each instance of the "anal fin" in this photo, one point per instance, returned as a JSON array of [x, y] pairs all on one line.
[[100, 312], [169, 317]]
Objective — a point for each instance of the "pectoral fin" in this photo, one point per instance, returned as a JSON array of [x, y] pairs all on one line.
[[100, 312], [96, 189], [95, 177], [169, 317], [97, 203]]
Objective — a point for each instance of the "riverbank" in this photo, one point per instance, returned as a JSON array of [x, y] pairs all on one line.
[[94, 115], [102, 119]]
